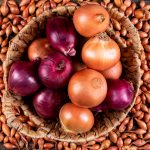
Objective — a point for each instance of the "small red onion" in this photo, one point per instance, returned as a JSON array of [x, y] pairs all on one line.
[[22, 79], [55, 71], [120, 94], [47, 102], [61, 34]]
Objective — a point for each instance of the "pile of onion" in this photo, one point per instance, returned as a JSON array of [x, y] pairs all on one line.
[[92, 78], [53, 71]]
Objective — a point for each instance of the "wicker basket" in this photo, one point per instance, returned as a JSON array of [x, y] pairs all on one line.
[[104, 122]]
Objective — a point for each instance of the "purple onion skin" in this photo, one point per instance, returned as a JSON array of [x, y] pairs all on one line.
[[101, 107], [61, 35], [47, 102], [22, 79], [120, 94], [55, 71]]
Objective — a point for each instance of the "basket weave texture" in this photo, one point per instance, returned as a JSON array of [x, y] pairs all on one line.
[[104, 122]]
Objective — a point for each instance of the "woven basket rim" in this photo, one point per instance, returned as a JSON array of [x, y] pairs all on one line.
[[44, 130]]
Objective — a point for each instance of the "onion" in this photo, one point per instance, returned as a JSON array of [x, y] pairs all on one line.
[[100, 52], [47, 102], [75, 119], [114, 72], [39, 49], [55, 71], [87, 88], [102, 107], [91, 19], [22, 79], [120, 94], [61, 35]]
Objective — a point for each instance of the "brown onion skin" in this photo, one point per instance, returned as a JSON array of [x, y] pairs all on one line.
[[87, 88], [39, 49], [100, 52], [96, 19], [113, 72], [75, 119]]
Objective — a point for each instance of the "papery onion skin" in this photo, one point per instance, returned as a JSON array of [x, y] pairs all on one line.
[[75, 119], [47, 102], [114, 72], [61, 35], [55, 71], [87, 88], [120, 94], [100, 52], [22, 79], [39, 49], [91, 19]]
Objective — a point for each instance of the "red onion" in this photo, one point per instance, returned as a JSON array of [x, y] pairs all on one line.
[[101, 107], [22, 79], [120, 94], [61, 34], [47, 102], [55, 71]]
